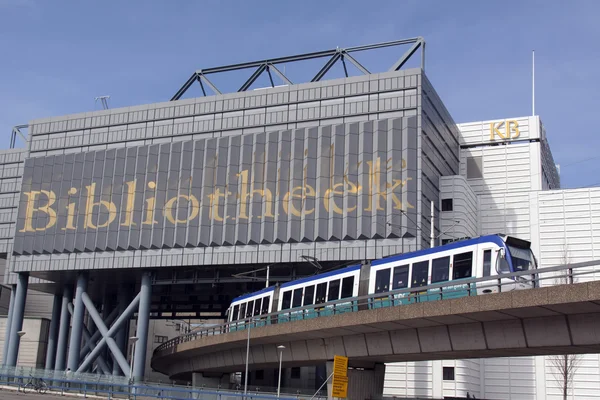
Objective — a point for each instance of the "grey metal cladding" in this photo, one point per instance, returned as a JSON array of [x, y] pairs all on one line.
[[352, 181]]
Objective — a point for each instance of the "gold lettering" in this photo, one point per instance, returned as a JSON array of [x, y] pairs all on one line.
[[150, 205], [71, 213], [89, 209], [494, 130], [515, 126], [130, 202], [245, 194], [305, 192], [169, 209], [213, 212], [330, 203], [28, 226], [374, 190], [397, 202]]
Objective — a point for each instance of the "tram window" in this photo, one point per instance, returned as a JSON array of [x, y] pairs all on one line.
[[257, 307], [347, 286], [265, 305], [487, 262], [463, 265], [400, 277], [419, 274], [249, 309], [309, 295], [297, 298], [236, 310], [287, 300], [321, 290], [440, 269], [382, 281], [334, 290], [242, 311]]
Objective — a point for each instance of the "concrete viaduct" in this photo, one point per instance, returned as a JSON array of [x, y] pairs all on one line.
[[549, 320]]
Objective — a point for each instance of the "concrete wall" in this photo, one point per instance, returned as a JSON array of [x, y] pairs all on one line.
[[32, 350]]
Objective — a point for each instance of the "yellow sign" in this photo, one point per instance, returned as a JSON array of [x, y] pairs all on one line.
[[505, 130], [339, 387], [340, 366]]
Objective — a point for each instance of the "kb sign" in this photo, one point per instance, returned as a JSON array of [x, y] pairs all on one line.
[[505, 130]]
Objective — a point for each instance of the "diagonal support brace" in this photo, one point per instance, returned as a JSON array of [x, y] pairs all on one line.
[[107, 335], [111, 318], [90, 345]]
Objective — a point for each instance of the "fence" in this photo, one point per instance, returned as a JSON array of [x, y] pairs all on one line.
[[119, 387]]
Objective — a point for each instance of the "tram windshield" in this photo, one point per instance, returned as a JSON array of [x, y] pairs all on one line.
[[522, 259]]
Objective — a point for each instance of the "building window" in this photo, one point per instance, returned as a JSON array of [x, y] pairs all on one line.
[[448, 373], [260, 375], [446, 204], [160, 339], [295, 373], [474, 167]]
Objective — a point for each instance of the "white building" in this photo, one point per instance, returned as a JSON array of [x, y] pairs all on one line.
[[509, 184]]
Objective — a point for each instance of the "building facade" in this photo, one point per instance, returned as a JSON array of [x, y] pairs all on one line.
[[509, 184]]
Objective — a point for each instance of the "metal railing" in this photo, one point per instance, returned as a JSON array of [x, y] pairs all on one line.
[[86, 384], [562, 274]]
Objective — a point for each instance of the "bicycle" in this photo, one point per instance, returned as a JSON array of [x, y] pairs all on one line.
[[35, 385]]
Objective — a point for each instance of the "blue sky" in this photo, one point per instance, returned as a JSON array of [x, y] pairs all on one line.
[[56, 56]]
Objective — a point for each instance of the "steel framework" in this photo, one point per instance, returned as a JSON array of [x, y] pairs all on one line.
[[334, 55]]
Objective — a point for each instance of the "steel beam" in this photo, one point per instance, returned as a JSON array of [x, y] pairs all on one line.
[[17, 319], [97, 334], [11, 306], [253, 78], [139, 363], [63, 332], [280, 74], [356, 64], [53, 332], [122, 318], [326, 67], [406, 56], [77, 322], [116, 352], [121, 336], [88, 344], [185, 87], [334, 54], [209, 83]]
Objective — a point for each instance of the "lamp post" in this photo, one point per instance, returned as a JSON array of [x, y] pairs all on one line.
[[247, 358], [280, 348], [133, 340]]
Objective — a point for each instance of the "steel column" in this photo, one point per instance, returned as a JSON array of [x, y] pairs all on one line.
[[139, 359], [13, 290], [53, 333], [77, 322], [105, 339], [121, 336], [17, 319], [63, 332]]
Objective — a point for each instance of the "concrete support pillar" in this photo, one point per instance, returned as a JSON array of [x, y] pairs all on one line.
[[63, 331], [139, 359], [77, 323], [211, 380], [362, 383], [11, 305], [53, 332], [121, 336], [17, 318]]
